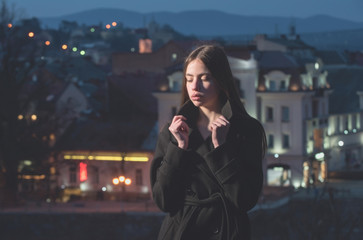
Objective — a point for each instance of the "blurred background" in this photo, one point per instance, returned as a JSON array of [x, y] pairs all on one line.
[[85, 87]]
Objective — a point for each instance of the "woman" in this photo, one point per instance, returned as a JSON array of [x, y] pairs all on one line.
[[207, 173]]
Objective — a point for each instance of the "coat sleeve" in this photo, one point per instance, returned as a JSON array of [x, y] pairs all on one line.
[[167, 173], [237, 166]]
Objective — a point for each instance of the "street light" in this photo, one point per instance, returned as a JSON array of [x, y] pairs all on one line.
[[115, 181], [122, 179], [34, 117], [128, 181]]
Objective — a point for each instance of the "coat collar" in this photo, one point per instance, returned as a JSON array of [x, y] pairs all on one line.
[[191, 112]]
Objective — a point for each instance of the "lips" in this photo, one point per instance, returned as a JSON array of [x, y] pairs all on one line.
[[196, 96]]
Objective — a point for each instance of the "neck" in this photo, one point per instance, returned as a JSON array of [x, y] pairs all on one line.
[[208, 115]]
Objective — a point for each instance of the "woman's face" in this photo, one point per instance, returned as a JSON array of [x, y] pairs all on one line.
[[201, 86]]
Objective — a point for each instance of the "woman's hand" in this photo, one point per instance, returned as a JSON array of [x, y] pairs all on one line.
[[180, 130], [219, 129]]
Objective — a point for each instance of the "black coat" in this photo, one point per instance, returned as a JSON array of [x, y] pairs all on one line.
[[207, 192]]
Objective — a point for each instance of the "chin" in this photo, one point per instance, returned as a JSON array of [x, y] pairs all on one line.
[[197, 104]]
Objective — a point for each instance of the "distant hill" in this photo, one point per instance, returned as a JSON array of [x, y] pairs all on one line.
[[208, 22]]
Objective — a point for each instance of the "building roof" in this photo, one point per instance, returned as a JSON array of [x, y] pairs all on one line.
[[86, 134], [275, 60], [279, 61], [241, 52], [296, 43], [345, 82], [332, 57]]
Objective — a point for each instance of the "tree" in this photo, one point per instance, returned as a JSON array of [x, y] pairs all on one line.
[[19, 54]]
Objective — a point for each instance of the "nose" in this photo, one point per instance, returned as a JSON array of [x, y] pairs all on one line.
[[195, 85]]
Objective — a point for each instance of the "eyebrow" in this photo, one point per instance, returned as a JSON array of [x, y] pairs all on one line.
[[202, 74]]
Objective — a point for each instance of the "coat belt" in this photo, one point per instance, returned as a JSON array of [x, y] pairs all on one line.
[[215, 197]]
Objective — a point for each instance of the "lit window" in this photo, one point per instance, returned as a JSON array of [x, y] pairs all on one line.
[[82, 172], [174, 56], [278, 175], [316, 66]]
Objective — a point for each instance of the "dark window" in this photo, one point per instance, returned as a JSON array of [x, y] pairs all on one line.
[[283, 85], [285, 114], [272, 85], [270, 141], [138, 177], [285, 141], [315, 108], [73, 174], [269, 114]]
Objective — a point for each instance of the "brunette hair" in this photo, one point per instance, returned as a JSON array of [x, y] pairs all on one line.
[[215, 59]]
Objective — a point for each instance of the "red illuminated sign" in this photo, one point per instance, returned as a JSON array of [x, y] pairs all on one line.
[[82, 172]]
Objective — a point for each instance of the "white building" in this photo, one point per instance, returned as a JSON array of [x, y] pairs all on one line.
[[292, 97]]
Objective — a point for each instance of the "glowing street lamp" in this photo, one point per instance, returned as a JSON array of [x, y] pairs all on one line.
[[108, 26], [115, 181], [114, 24], [31, 34], [122, 179], [20, 117], [47, 43], [64, 46], [10, 25], [34, 117], [128, 181]]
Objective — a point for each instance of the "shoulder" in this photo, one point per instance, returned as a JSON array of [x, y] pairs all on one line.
[[247, 124], [164, 132]]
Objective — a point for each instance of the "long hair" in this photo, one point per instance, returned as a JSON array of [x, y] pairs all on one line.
[[215, 59]]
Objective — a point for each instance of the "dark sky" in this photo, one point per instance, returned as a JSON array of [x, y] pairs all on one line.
[[346, 9]]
